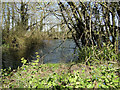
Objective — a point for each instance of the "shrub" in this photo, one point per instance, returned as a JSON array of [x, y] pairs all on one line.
[[20, 44], [94, 54]]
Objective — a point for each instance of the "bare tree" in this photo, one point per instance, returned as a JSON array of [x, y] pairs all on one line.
[[83, 19]]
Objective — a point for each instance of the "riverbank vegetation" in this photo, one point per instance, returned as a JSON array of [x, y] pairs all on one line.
[[94, 27], [20, 44], [98, 74]]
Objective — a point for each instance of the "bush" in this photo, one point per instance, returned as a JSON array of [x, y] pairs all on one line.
[[20, 44], [94, 54]]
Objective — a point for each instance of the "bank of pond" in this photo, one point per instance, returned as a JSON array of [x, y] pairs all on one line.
[[54, 66]]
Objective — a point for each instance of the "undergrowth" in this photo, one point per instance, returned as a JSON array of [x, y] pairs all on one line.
[[103, 73]]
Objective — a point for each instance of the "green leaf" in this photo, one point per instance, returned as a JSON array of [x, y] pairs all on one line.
[[22, 58], [106, 80], [104, 86], [36, 53], [40, 86], [38, 56], [103, 77], [90, 85], [77, 82]]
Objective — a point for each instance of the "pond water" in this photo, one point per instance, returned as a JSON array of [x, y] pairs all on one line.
[[58, 51]]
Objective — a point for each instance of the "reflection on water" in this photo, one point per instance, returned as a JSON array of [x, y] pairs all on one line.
[[61, 51]]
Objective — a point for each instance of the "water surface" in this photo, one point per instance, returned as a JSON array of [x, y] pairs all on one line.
[[58, 51]]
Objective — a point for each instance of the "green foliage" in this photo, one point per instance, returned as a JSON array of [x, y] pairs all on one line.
[[100, 75], [94, 54], [5, 46], [23, 61]]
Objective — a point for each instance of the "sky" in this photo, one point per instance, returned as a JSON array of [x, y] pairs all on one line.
[[60, 0], [52, 19]]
